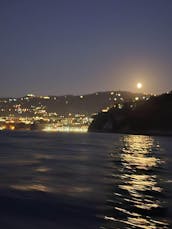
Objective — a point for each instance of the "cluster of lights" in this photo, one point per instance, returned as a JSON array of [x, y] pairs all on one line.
[[82, 129], [26, 111]]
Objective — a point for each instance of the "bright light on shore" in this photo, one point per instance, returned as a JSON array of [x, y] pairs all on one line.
[[67, 129], [139, 85]]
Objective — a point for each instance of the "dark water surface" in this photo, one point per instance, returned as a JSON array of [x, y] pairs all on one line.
[[84, 181]]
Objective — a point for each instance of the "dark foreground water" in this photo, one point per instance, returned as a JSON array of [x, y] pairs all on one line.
[[84, 181]]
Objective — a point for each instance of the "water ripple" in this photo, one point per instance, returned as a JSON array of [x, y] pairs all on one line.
[[137, 198]]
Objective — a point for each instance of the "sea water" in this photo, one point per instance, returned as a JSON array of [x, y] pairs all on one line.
[[85, 181]]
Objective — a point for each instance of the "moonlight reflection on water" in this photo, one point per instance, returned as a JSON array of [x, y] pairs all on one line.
[[137, 200]]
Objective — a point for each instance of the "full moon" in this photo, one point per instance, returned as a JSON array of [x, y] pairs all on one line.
[[139, 85]]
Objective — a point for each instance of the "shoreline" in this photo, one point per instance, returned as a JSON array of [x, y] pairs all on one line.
[[130, 132]]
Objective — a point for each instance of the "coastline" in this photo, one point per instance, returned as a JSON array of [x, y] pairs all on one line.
[[131, 132]]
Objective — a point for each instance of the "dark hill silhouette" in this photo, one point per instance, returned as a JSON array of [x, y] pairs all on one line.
[[153, 116]]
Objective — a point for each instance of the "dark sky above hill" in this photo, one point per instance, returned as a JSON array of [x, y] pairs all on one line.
[[81, 46]]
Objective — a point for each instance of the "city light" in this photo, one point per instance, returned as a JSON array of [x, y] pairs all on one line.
[[57, 113], [83, 129]]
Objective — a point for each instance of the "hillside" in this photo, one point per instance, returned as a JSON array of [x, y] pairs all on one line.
[[31, 105], [153, 116]]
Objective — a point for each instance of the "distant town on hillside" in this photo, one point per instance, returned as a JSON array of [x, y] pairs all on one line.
[[68, 112]]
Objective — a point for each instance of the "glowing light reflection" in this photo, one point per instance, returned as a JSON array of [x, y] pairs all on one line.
[[138, 182]]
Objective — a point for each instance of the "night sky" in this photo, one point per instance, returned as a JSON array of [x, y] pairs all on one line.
[[57, 47]]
